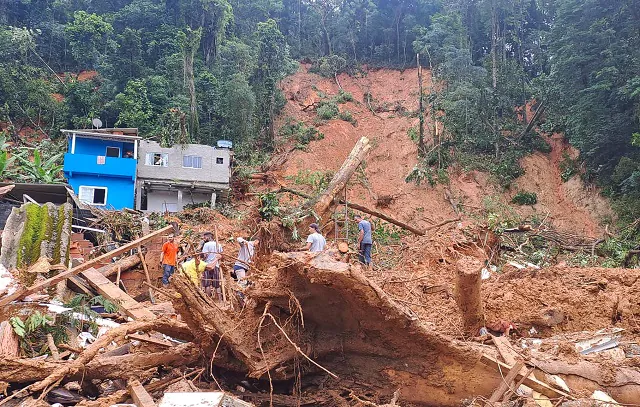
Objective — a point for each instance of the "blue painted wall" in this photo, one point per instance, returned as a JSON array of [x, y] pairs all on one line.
[[118, 175], [120, 191], [99, 147]]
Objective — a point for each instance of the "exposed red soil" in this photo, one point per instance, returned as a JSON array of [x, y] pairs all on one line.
[[568, 205], [420, 273]]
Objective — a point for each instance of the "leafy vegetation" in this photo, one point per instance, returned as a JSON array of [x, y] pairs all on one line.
[[300, 132], [32, 331], [525, 198], [269, 205], [327, 110], [318, 180], [205, 70]]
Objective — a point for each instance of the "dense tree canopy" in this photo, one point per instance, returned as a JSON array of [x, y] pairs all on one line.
[[205, 70]]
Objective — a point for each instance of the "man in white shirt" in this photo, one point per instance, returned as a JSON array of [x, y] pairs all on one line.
[[315, 241], [211, 277], [245, 255]]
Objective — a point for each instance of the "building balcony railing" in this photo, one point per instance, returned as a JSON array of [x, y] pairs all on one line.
[[99, 165]]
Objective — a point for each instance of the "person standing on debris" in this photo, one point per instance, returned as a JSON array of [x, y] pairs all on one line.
[[245, 255], [211, 277], [315, 241], [168, 259], [365, 240]]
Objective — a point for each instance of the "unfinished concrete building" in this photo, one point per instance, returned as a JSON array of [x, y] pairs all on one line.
[[170, 178]]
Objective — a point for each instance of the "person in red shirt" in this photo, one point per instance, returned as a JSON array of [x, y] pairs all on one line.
[[168, 259]]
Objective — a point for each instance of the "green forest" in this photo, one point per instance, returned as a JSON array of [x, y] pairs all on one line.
[[205, 70]]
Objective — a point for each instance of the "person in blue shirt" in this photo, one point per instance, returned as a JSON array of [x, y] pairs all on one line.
[[364, 241]]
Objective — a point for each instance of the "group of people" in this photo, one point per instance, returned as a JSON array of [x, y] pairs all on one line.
[[204, 268], [317, 243]]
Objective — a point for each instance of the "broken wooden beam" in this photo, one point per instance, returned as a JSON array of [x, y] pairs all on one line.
[[139, 395], [506, 383], [146, 274], [110, 291], [82, 267], [535, 384]]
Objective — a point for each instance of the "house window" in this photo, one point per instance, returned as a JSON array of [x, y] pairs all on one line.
[[93, 195], [192, 161], [113, 152], [219, 160], [157, 159]]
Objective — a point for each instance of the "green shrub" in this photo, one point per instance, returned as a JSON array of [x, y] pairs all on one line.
[[269, 206], [413, 134], [568, 167], [525, 198], [300, 132], [343, 97], [318, 180], [347, 117], [327, 110]]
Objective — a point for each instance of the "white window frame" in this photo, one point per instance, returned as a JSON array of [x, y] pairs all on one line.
[[150, 162], [106, 152], [193, 156], [106, 192]]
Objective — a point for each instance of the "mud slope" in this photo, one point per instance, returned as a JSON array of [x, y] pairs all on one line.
[[394, 93]]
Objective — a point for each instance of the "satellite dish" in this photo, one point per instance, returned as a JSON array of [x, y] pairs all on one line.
[[97, 123]]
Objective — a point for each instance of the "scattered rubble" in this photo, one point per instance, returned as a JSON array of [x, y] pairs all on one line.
[[438, 324]]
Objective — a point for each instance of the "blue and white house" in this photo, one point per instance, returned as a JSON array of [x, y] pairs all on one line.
[[100, 165]]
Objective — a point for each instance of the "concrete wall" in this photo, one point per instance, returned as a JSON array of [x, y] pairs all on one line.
[[157, 199], [211, 172]]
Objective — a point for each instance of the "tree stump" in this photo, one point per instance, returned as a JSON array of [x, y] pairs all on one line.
[[468, 294]]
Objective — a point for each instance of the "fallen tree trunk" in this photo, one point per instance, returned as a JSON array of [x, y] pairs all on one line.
[[69, 369], [621, 383], [124, 264], [14, 370], [382, 216], [468, 294], [323, 202]]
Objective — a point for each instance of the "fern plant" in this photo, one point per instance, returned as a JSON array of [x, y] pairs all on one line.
[[34, 330]]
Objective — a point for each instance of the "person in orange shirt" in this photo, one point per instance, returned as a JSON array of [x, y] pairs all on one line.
[[168, 259]]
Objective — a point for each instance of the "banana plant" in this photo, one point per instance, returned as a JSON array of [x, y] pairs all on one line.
[[42, 171], [5, 160]]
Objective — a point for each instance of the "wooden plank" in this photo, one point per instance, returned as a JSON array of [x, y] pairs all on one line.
[[507, 352], [77, 285], [506, 383], [139, 395], [535, 384], [146, 273], [111, 292], [82, 267], [150, 339]]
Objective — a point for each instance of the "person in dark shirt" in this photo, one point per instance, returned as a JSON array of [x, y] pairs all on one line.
[[365, 241]]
